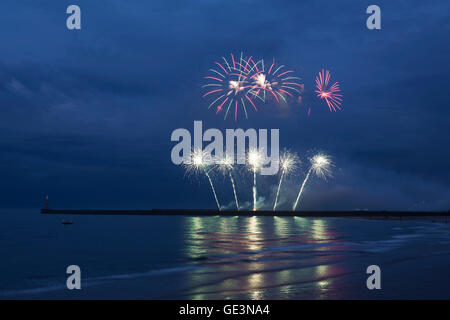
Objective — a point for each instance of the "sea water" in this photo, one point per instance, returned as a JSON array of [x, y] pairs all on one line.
[[188, 257]]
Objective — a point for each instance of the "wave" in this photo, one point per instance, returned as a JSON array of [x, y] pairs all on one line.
[[98, 280]]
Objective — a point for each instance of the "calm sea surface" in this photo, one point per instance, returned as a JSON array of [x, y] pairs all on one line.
[[177, 257]]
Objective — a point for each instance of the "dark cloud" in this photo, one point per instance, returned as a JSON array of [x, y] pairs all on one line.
[[87, 115]]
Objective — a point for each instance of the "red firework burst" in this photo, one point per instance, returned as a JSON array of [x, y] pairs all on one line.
[[276, 81], [328, 93], [230, 85]]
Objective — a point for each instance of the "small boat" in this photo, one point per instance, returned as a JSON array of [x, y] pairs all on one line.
[[67, 222]]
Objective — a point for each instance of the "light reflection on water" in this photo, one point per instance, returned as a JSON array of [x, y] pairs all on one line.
[[256, 257], [303, 258]]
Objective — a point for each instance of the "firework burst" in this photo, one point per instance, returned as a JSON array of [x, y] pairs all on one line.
[[328, 93], [321, 167], [275, 81], [288, 163], [230, 83], [201, 162]]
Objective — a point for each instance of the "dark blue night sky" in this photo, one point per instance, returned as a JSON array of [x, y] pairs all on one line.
[[86, 116]]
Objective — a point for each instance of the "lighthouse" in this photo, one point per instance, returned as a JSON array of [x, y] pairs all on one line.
[[46, 202]]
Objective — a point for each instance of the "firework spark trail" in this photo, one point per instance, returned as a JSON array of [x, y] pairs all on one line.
[[320, 165], [254, 189], [329, 94], [234, 190], [254, 160], [301, 189], [278, 191], [212, 187], [225, 165], [199, 162], [289, 162]]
